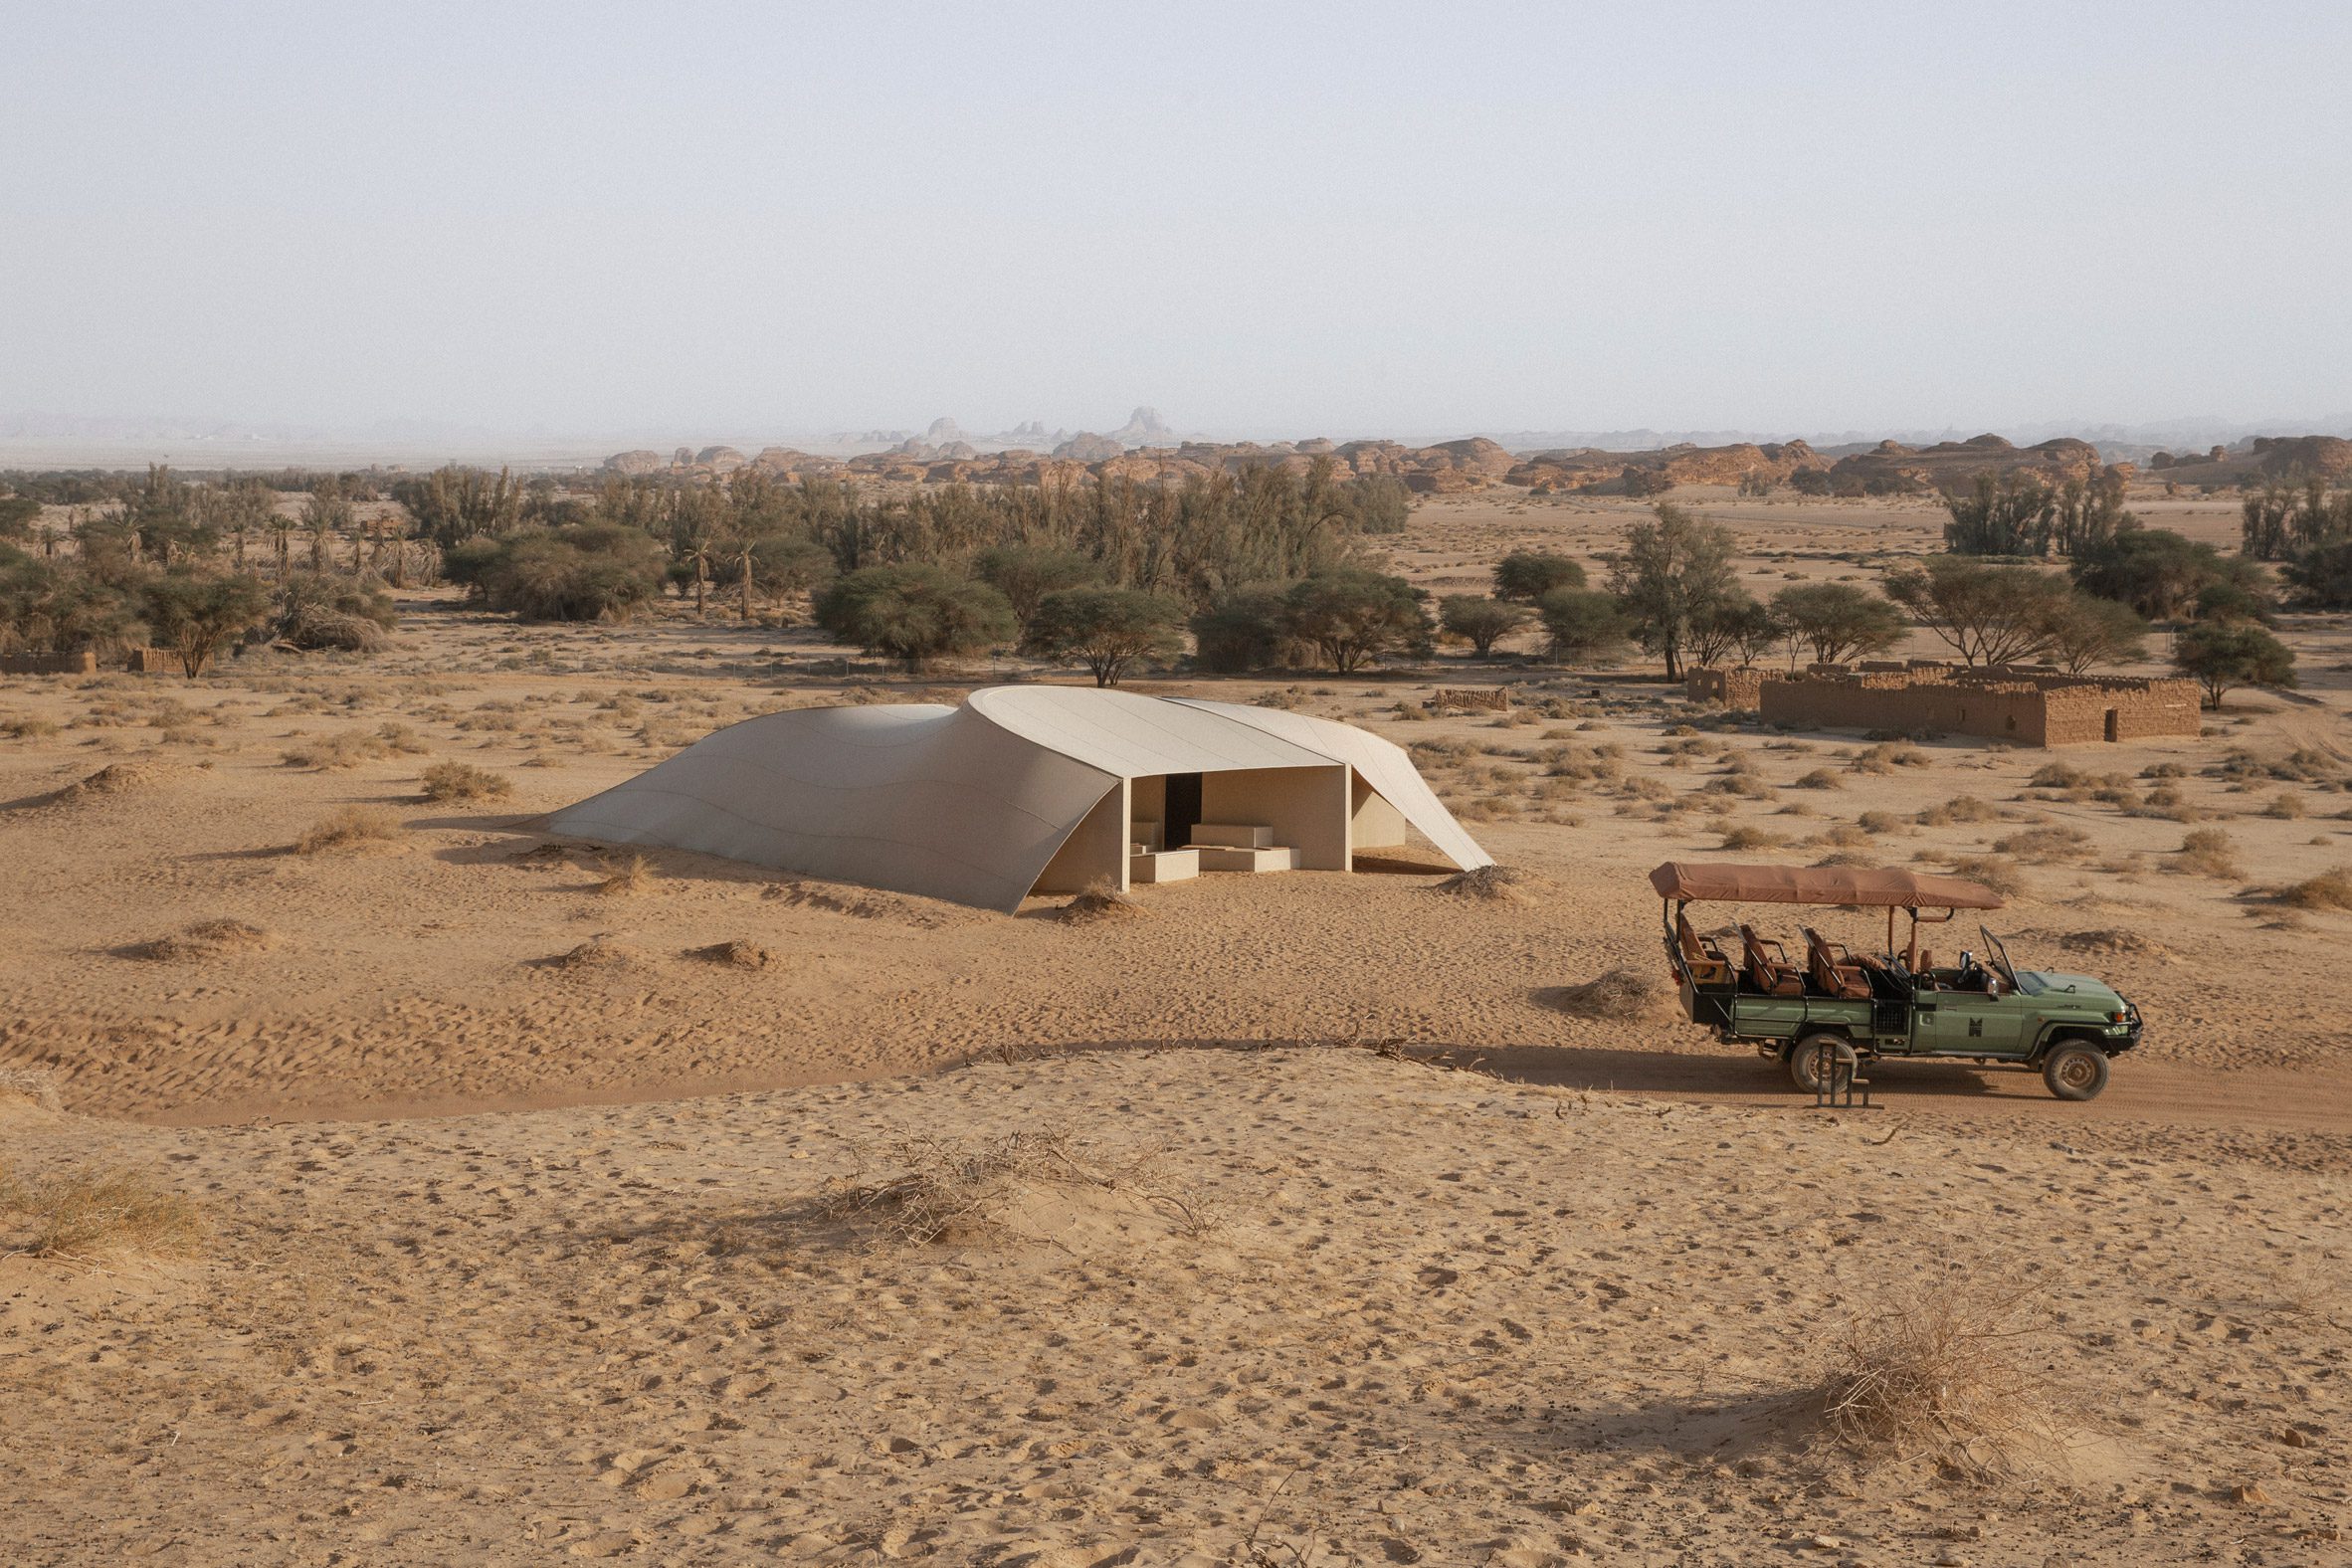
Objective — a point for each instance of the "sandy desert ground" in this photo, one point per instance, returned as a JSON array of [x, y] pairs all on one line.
[[523, 1219]]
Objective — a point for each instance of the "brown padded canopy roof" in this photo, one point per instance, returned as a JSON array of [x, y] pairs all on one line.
[[1824, 884]]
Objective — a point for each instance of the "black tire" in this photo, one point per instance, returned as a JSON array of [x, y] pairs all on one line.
[[1806, 1058], [2074, 1069]]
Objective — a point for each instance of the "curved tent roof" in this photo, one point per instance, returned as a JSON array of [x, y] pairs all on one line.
[[1855, 886], [969, 803]]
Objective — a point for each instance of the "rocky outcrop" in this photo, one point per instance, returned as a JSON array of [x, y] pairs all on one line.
[[719, 460], [1086, 447], [639, 460], [1593, 470], [2285, 460], [1144, 428], [1895, 469]]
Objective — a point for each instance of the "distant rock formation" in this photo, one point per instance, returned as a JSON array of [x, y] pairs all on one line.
[[1086, 447], [2285, 460], [945, 428], [719, 460], [1892, 467], [640, 460], [1144, 428]]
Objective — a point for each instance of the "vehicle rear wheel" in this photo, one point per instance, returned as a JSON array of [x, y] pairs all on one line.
[[2074, 1069], [1817, 1055]]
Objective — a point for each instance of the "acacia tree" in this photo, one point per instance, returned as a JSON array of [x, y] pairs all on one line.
[[1528, 575], [916, 613], [2224, 655], [1673, 568], [1989, 615], [1838, 620], [2085, 630], [196, 612], [1585, 624], [1352, 615], [1026, 574], [1720, 629], [1480, 621], [1105, 629]]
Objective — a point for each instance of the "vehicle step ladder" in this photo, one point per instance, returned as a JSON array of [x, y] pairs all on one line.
[[1827, 1095]]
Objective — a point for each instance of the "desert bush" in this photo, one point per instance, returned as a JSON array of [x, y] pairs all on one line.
[[915, 614], [2000, 875], [1941, 1371], [1821, 778], [1879, 822], [1619, 995], [1491, 884], [315, 612], [206, 940], [2331, 890], [1960, 808], [2209, 852], [2055, 842], [347, 828], [949, 1189], [84, 1211], [1750, 838], [579, 572], [633, 875], [462, 781]]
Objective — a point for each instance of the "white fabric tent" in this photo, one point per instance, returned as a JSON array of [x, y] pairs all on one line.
[[970, 804]]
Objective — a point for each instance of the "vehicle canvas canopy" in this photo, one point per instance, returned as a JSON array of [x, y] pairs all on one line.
[[1684, 882]]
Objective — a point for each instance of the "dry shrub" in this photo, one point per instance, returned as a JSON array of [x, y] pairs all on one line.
[[2209, 852], [1746, 837], [2045, 844], [595, 953], [1620, 995], [1943, 1370], [35, 1084], [1960, 808], [2000, 875], [949, 1189], [1491, 884], [1100, 900], [1821, 778], [208, 939], [349, 827], [459, 781], [636, 876], [350, 747], [736, 954], [88, 1211], [1879, 822], [21, 727], [2327, 891]]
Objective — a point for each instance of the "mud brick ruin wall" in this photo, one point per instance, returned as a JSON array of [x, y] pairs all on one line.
[[1731, 687], [2024, 707], [84, 662], [1482, 700]]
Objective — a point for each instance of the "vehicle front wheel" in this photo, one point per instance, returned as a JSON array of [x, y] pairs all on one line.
[[2076, 1071], [1819, 1056]]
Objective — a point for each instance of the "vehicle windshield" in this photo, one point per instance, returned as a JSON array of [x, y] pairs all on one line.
[[2004, 967]]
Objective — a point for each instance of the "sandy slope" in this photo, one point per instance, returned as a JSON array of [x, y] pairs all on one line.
[[1436, 1318]]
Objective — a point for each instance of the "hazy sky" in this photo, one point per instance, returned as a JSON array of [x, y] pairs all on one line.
[[674, 222]]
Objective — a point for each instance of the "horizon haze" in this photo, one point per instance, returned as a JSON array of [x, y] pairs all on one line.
[[609, 226]]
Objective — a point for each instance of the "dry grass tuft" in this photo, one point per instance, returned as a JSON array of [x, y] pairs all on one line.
[[1941, 1371], [90, 1211], [1101, 902], [35, 1084], [1746, 837], [2111, 945], [2327, 891], [349, 827], [949, 1189], [2000, 875], [1619, 995], [736, 954], [208, 939], [595, 953], [2209, 852], [459, 781], [635, 875], [1491, 884]]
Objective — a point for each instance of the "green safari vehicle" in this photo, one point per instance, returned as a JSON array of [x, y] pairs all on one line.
[[1826, 1012]]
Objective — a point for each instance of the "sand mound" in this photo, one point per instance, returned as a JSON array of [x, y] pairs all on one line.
[[738, 954], [1097, 905], [115, 778], [1491, 884], [869, 904], [207, 940], [1619, 994]]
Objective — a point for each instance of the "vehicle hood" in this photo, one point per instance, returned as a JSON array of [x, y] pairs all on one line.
[[2078, 990]]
